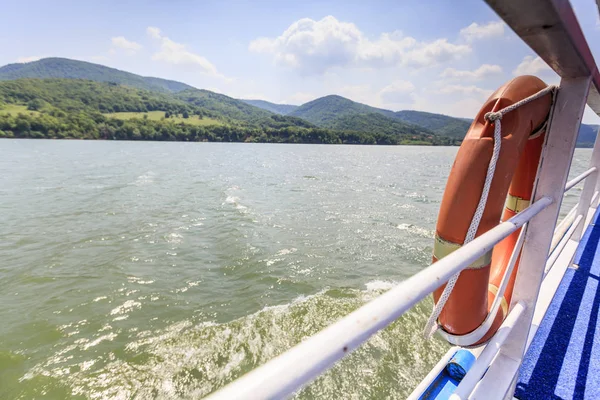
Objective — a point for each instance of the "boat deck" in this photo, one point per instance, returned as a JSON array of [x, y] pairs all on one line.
[[563, 361]]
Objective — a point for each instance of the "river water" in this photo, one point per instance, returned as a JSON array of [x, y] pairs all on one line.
[[166, 270]]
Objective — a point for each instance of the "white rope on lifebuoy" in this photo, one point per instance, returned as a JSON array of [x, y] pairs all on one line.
[[494, 117]]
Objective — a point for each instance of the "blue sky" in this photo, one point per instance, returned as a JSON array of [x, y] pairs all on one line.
[[438, 56]]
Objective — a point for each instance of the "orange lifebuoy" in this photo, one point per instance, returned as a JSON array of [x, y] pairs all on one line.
[[516, 168]]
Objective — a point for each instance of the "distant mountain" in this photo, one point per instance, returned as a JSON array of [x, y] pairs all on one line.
[[330, 112], [221, 104], [376, 123], [438, 123], [587, 135], [282, 109], [337, 112], [325, 110], [73, 69]]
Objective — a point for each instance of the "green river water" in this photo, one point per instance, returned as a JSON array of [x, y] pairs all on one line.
[[166, 270]]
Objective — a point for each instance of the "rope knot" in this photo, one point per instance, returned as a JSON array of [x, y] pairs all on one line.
[[493, 116]]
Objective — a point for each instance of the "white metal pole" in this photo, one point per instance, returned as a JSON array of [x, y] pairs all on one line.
[[589, 187]]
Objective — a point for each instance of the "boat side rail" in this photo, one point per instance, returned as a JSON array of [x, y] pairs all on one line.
[[285, 374], [562, 235], [573, 182], [550, 28], [290, 371]]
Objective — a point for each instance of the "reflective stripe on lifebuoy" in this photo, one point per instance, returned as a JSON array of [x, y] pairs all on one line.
[[442, 248], [523, 135]]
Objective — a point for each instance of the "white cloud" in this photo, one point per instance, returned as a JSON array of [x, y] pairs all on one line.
[[29, 59], [439, 51], [124, 44], [313, 47], [153, 32], [398, 92], [478, 32], [464, 90], [483, 72], [531, 66], [178, 54]]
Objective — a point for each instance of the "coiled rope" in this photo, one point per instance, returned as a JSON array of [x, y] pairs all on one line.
[[493, 117]]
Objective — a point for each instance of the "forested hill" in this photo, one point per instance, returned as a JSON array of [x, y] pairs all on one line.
[[122, 98], [335, 111], [222, 105], [73, 108], [74, 69], [283, 109], [438, 123], [374, 122], [326, 110]]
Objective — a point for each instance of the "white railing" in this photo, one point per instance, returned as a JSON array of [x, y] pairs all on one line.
[[563, 233], [475, 373], [579, 178], [565, 50], [298, 366]]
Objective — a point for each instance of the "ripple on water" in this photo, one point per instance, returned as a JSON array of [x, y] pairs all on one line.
[[119, 318], [189, 360]]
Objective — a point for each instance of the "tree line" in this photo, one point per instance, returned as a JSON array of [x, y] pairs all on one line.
[[57, 124], [80, 109]]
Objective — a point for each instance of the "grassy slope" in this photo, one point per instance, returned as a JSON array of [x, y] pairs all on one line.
[[75, 94], [159, 115], [73, 69], [16, 109]]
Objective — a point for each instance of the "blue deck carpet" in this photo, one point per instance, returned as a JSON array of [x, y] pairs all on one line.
[[563, 361]]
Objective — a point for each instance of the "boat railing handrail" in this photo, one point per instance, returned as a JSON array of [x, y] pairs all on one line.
[[473, 337], [483, 360], [301, 364], [467, 384], [563, 242], [328, 346], [573, 182], [566, 51]]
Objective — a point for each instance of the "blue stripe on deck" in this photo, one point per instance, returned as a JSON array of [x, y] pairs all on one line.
[[563, 361]]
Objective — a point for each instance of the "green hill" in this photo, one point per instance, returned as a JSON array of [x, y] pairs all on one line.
[[326, 110], [336, 111], [283, 109], [587, 135], [77, 94], [376, 123], [339, 113], [221, 104], [438, 123], [83, 109], [74, 69]]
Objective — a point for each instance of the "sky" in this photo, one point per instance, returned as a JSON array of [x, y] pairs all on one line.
[[429, 55]]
